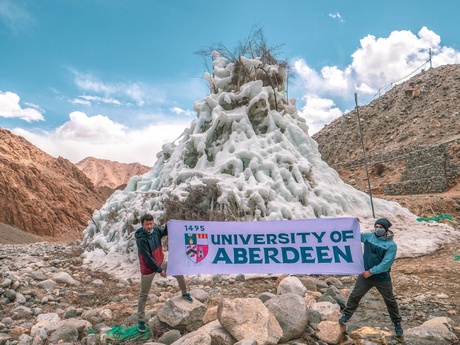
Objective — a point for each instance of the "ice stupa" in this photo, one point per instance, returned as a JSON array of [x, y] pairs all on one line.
[[249, 155]]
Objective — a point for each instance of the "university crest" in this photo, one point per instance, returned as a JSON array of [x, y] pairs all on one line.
[[196, 247]]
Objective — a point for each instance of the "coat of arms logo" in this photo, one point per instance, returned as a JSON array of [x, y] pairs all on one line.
[[196, 247]]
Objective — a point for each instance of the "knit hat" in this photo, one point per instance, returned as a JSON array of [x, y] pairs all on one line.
[[383, 222]]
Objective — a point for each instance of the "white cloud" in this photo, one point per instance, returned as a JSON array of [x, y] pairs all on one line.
[[80, 101], [318, 111], [337, 16], [330, 80], [85, 99], [140, 94], [377, 65], [14, 16], [100, 137], [96, 127], [180, 111], [10, 108]]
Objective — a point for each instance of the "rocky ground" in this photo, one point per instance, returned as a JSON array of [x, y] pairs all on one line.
[[427, 287]]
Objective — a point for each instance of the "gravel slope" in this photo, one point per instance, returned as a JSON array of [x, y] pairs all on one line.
[[11, 235]]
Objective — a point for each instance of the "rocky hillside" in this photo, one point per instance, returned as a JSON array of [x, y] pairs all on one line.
[[403, 117], [43, 195], [419, 114], [106, 173]]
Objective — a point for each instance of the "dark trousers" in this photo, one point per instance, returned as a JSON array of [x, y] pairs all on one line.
[[384, 287]]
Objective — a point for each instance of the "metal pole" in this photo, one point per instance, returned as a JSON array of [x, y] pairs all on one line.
[[430, 60], [364, 154]]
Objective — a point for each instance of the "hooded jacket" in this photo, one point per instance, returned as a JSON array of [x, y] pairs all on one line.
[[149, 249], [379, 254]]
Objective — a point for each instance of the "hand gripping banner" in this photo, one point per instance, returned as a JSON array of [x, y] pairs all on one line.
[[307, 246]]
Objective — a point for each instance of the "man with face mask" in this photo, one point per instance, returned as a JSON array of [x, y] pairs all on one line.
[[379, 255]]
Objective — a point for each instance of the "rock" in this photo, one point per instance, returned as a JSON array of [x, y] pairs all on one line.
[[106, 314], [6, 283], [20, 313], [177, 312], [334, 282], [169, 337], [64, 278], [195, 338], [249, 318], [64, 334], [47, 285], [439, 329], [20, 299], [291, 312], [309, 283], [4, 339], [210, 315], [325, 308], [265, 296], [38, 276], [246, 342], [199, 294], [334, 292], [329, 332], [219, 335], [291, 285]]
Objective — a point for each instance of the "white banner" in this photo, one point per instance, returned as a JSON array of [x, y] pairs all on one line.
[[308, 246]]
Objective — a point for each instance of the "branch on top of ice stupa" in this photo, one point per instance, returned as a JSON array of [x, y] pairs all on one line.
[[254, 48]]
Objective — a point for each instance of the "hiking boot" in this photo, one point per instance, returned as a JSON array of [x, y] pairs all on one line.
[[187, 297], [141, 326], [398, 329], [344, 319]]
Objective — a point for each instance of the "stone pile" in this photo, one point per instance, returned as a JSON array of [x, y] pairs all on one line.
[[47, 297]]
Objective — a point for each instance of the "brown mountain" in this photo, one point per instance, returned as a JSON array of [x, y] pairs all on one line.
[[411, 137], [43, 195], [106, 173]]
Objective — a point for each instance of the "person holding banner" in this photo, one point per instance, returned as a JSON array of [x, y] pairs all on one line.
[[151, 260], [379, 255]]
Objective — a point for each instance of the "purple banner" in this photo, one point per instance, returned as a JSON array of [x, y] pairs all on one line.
[[307, 246]]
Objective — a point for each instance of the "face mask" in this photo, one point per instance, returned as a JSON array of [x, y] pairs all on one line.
[[379, 232]]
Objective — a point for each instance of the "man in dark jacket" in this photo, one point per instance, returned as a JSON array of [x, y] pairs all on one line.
[[151, 259], [379, 255]]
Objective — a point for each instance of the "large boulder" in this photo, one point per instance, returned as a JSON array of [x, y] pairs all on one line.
[[249, 318], [177, 312], [439, 329], [291, 312]]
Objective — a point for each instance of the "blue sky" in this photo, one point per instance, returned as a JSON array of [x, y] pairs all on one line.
[[117, 79]]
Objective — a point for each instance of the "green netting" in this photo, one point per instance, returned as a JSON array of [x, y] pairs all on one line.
[[121, 334], [436, 219], [456, 257]]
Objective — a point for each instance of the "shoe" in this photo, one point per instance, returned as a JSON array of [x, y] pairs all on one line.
[[187, 297], [141, 326], [344, 319], [398, 329]]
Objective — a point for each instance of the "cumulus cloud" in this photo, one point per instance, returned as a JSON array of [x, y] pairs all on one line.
[[10, 108], [318, 111], [376, 66], [98, 127], [100, 137]]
